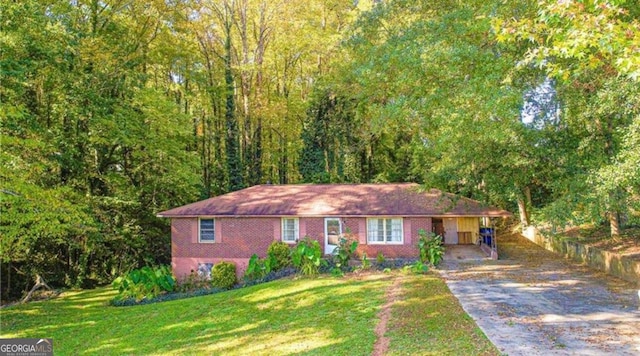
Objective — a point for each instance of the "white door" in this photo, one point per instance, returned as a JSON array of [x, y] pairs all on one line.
[[450, 231], [332, 233]]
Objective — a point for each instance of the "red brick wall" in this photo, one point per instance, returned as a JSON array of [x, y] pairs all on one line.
[[238, 238]]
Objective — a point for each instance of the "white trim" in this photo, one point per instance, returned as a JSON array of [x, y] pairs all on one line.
[[200, 230], [296, 228], [401, 242], [326, 234]]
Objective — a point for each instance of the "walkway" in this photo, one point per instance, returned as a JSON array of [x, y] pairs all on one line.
[[533, 302]]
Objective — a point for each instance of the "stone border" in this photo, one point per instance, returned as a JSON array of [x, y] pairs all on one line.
[[606, 261]]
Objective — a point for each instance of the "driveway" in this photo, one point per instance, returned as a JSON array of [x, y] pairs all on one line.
[[534, 302]]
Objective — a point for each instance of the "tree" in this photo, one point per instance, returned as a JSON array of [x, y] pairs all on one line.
[[96, 146], [585, 48]]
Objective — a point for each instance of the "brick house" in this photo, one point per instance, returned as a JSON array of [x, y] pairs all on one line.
[[384, 218]]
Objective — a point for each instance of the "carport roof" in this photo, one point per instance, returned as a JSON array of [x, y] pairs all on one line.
[[398, 199]]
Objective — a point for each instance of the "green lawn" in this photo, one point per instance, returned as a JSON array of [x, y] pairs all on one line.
[[428, 320], [325, 315]]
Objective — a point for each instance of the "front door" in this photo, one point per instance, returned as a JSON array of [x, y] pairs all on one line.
[[450, 231], [332, 233]]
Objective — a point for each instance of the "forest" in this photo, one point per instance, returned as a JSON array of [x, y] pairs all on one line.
[[114, 110]]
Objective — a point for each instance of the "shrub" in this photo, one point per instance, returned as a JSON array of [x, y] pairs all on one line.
[[281, 254], [193, 282], [144, 283], [366, 264], [380, 258], [337, 272], [431, 248], [417, 267], [273, 275], [307, 256], [395, 263], [223, 275], [258, 268], [343, 252]]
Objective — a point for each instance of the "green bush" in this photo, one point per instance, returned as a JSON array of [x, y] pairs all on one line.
[[417, 267], [281, 254], [145, 282], [380, 258], [343, 252], [366, 264], [307, 256], [431, 247], [259, 268], [223, 275]]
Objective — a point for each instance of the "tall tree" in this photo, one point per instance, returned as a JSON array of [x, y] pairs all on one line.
[[585, 46]]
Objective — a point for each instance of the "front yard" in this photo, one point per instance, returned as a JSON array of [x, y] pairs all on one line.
[[323, 315]]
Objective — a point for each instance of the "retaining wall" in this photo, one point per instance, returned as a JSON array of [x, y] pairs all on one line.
[[606, 261]]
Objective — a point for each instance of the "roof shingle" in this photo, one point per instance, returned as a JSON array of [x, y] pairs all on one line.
[[402, 199]]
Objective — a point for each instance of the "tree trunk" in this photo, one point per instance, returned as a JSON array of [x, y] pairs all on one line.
[[524, 215], [8, 278], [232, 144], [40, 283], [615, 224]]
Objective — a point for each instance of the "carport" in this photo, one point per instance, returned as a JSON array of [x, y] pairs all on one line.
[[468, 238]]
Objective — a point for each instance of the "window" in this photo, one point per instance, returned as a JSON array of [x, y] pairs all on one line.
[[204, 270], [384, 231], [290, 229], [207, 230]]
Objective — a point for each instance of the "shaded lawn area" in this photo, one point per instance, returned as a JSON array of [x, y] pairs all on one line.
[[324, 316], [428, 320]]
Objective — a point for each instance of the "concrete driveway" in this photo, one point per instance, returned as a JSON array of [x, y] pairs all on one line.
[[533, 302]]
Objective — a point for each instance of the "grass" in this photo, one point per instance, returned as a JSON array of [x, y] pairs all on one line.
[[323, 316], [428, 320]]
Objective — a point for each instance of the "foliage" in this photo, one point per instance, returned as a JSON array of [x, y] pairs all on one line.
[[193, 282], [112, 112], [272, 276], [258, 268], [223, 275], [573, 37], [280, 253], [380, 258], [144, 283], [418, 267], [431, 247], [344, 251], [330, 142], [395, 263], [366, 263], [583, 47], [336, 272], [307, 256]]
